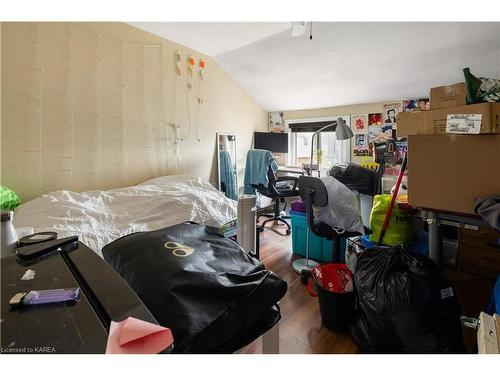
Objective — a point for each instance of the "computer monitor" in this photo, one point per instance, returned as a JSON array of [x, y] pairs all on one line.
[[274, 142]]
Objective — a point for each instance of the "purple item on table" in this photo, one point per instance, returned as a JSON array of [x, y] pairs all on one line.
[[40, 297], [298, 206]]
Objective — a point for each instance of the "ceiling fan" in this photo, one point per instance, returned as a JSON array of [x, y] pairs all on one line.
[[300, 28]]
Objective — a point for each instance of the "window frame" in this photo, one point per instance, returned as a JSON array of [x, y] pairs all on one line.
[[346, 147]]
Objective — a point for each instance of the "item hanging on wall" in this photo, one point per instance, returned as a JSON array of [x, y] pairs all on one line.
[[201, 71], [410, 105], [201, 74], [359, 124], [360, 145], [391, 111], [276, 122], [424, 104], [179, 163], [191, 63], [178, 60], [375, 132]]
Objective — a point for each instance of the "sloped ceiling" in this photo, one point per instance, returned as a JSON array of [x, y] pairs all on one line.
[[344, 63]]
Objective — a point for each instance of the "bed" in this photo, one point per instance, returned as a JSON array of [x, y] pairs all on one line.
[[100, 217], [122, 223]]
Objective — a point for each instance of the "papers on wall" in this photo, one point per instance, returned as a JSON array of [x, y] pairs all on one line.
[[361, 145], [359, 124], [390, 114], [277, 122]]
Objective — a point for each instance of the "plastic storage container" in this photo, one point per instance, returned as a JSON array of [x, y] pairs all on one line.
[[320, 248]]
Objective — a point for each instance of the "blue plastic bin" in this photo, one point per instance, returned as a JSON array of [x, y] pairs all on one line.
[[320, 249]]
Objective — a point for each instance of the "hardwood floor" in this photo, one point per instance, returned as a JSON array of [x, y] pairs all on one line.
[[300, 326]]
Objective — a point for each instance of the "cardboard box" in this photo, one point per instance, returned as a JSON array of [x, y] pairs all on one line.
[[447, 172], [448, 96], [434, 122]]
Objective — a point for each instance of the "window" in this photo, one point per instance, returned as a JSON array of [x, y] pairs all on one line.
[[332, 151]]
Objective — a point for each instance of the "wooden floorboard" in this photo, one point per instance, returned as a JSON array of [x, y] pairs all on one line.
[[300, 326]]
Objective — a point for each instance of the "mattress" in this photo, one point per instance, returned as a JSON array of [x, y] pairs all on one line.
[[100, 217]]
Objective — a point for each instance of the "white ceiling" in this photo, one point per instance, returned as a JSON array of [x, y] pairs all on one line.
[[213, 38], [345, 63]]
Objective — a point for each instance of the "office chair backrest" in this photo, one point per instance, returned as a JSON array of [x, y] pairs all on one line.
[[270, 190], [313, 189]]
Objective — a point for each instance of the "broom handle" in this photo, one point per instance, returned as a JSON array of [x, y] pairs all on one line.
[[393, 200]]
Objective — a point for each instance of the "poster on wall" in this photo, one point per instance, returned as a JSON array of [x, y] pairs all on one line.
[[375, 132], [424, 104], [390, 114], [360, 145], [276, 122], [409, 105], [401, 150], [359, 124]]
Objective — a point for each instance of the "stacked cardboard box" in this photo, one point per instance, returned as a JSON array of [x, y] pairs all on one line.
[[453, 151], [482, 118]]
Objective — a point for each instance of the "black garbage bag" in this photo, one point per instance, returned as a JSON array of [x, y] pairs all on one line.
[[404, 305], [357, 178], [212, 295]]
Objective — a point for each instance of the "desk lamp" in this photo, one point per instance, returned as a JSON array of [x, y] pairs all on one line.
[[342, 132]]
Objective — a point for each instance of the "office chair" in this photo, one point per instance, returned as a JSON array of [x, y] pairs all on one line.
[[278, 189], [313, 192]]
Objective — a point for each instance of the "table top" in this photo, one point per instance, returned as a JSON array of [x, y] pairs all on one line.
[[290, 169], [71, 327], [53, 328]]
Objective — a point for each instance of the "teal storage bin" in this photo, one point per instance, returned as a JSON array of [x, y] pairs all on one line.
[[320, 249]]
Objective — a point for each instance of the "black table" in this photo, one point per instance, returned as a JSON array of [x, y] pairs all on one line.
[[78, 327]]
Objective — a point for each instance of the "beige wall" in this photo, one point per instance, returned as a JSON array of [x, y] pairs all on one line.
[[89, 106]]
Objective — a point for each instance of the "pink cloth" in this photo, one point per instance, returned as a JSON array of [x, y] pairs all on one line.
[[134, 336]]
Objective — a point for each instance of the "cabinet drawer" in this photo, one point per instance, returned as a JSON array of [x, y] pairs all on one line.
[[484, 235], [479, 259]]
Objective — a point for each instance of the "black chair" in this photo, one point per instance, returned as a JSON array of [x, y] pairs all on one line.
[[278, 189], [313, 192]]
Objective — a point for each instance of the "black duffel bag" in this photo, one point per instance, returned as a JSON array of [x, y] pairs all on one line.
[[356, 178], [404, 305], [212, 295]]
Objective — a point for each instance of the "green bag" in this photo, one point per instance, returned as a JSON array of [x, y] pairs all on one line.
[[398, 230], [8, 198], [480, 90]]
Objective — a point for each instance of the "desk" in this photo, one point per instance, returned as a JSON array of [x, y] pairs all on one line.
[[435, 218], [290, 169]]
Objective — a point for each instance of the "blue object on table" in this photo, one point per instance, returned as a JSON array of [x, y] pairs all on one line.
[[320, 248], [494, 307], [257, 166], [227, 175]]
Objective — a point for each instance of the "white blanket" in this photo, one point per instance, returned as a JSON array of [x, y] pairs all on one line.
[[100, 217]]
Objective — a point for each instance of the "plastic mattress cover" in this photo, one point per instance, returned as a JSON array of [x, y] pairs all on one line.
[[100, 217]]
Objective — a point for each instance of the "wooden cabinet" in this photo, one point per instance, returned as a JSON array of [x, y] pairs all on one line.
[[479, 252]]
